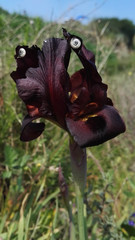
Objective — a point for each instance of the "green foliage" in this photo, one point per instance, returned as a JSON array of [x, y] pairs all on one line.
[[31, 206], [117, 27]]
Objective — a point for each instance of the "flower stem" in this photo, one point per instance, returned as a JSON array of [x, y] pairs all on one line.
[[79, 166], [64, 192], [80, 208]]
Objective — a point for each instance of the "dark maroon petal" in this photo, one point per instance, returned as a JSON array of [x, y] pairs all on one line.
[[99, 94], [96, 129], [88, 54], [86, 57], [77, 96], [42, 79], [89, 66], [89, 109], [30, 59], [88, 61], [77, 80], [97, 91], [31, 130], [56, 54], [28, 88], [78, 100]]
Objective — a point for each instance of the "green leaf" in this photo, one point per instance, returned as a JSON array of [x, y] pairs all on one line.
[[7, 174], [132, 183], [3, 236], [10, 155], [23, 160]]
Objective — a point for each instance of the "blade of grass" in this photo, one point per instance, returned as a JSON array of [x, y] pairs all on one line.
[[40, 189], [11, 230], [21, 228], [35, 227], [21, 221], [55, 219], [43, 203], [2, 224], [27, 221]]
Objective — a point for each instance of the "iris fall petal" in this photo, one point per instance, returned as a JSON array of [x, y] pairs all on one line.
[[96, 129], [31, 130]]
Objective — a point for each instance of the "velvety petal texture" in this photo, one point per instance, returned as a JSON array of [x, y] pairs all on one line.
[[31, 130], [43, 83], [91, 119], [96, 129], [79, 104]]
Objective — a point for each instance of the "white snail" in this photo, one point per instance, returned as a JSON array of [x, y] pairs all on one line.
[[75, 43], [22, 52]]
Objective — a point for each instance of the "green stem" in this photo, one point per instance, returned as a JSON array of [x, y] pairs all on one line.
[[72, 231], [80, 208], [79, 167], [72, 226], [64, 192]]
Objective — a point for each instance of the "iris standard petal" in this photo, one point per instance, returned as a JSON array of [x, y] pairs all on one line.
[[78, 80], [97, 91], [31, 130], [86, 57], [56, 53], [96, 129]]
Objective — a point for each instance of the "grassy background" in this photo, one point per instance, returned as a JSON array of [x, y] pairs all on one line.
[[31, 206]]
